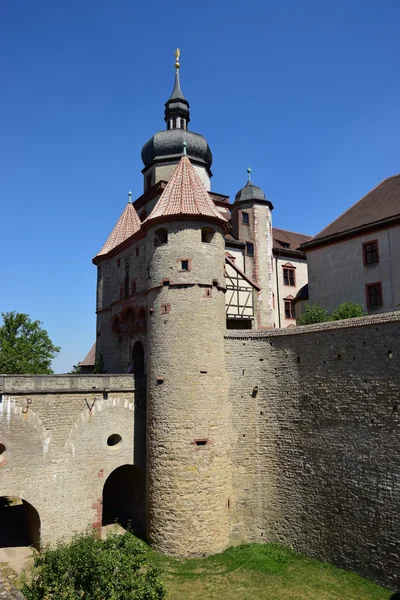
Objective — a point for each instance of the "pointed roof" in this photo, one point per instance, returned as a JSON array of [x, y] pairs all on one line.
[[90, 358], [128, 224], [177, 105], [185, 195]]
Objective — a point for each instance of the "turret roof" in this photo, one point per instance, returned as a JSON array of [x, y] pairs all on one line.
[[186, 195], [127, 225]]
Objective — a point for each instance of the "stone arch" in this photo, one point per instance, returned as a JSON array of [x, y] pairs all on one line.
[[10, 407], [87, 415], [19, 523], [124, 499]]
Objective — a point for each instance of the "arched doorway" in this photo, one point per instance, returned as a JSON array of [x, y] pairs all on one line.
[[124, 499], [19, 523]]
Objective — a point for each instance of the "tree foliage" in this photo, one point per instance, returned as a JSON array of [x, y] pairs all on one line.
[[24, 346], [314, 313], [348, 310], [89, 568]]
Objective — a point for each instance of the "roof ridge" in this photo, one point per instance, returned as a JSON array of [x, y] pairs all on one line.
[[354, 203], [290, 231]]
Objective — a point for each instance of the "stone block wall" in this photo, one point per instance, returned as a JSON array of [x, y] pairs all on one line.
[[316, 422], [54, 430]]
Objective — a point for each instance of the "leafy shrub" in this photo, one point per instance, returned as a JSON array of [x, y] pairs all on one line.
[[92, 569], [348, 310], [314, 313]]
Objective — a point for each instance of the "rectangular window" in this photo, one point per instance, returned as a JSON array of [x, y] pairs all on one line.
[[245, 218], [185, 265], [290, 312], [118, 263], [289, 277], [370, 253], [374, 295], [250, 249]]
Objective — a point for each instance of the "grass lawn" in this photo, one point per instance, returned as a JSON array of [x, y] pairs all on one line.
[[261, 571]]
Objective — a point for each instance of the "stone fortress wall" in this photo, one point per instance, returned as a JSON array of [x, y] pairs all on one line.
[[315, 451], [315, 418]]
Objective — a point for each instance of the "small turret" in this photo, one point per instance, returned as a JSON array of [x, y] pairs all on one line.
[[252, 224]]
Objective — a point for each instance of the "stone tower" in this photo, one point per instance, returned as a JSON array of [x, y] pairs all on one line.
[[188, 430], [252, 224]]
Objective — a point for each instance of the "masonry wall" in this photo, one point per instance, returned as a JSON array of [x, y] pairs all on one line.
[[55, 431], [316, 421]]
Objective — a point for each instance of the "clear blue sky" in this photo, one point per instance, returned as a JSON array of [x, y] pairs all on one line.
[[306, 93]]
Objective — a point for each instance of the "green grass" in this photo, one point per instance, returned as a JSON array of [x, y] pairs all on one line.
[[261, 571]]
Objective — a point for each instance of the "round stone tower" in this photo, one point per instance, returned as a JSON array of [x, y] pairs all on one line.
[[188, 426]]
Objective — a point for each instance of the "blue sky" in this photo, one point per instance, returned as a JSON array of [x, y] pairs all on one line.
[[306, 93]]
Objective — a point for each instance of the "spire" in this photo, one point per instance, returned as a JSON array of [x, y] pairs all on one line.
[[177, 114], [185, 195], [127, 225], [248, 174]]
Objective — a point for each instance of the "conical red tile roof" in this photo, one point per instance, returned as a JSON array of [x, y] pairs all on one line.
[[128, 224], [185, 195]]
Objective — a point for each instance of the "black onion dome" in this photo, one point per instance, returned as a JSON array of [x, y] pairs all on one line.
[[250, 192], [168, 145]]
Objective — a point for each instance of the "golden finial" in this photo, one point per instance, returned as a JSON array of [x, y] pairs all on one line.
[[177, 55]]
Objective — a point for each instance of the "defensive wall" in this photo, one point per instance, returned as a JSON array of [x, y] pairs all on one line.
[[314, 445]]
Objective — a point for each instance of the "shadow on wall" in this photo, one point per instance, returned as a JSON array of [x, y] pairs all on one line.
[[395, 596], [19, 523]]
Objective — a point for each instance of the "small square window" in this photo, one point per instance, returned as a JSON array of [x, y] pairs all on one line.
[[374, 295], [250, 248], [371, 253], [185, 265], [245, 218]]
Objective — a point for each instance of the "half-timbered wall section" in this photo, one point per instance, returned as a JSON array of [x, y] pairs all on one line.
[[239, 297]]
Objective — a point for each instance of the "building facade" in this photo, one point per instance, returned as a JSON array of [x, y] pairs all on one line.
[[357, 256]]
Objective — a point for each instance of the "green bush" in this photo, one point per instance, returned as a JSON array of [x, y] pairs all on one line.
[[314, 313], [92, 569], [348, 310]]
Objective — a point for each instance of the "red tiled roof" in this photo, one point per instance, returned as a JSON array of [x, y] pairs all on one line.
[[90, 357], [127, 225], [185, 195], [282, 237], [383, 202]]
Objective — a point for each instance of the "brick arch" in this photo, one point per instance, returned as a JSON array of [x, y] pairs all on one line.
[[87, 415]]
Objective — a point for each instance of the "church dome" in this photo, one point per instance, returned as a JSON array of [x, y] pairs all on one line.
[[168, 144], [250, 192]]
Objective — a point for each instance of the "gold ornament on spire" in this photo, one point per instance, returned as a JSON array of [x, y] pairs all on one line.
[[177, 55]]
